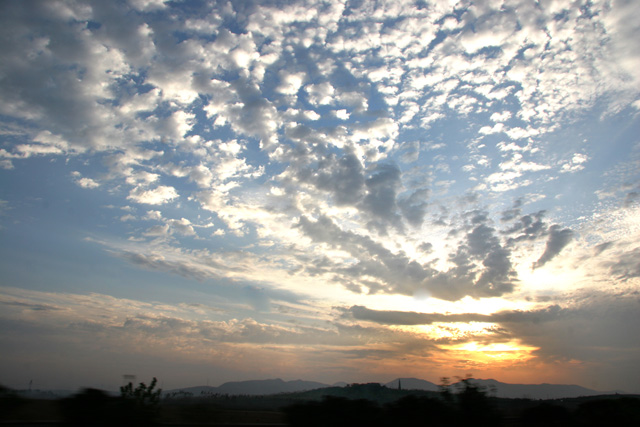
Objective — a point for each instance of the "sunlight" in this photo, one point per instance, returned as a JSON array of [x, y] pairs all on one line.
[[450, 331], [510, 351]]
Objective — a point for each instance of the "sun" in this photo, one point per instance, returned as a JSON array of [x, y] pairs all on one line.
[[510, 351], [468, 342]]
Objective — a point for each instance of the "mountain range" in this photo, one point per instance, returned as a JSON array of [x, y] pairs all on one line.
[[513, 391], [253, 387], [493, 387]]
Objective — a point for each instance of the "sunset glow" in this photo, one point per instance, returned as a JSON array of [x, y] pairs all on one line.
[[493, 352]]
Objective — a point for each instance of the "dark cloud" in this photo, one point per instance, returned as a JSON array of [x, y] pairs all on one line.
[[257, 115], [156, 262], [384, 317], [410, 318], [374, 191], [414, 207], [593, 326], [47, 83], [343, 177], [496, 279], [396, 272], [482, 265], [558, 239], [632, 198], [382, 183], [31, 306], [598, 249], [528, 227], [627, 265], [426, 247], [512, 213]]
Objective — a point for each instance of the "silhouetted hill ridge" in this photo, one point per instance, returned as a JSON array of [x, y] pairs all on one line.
[[506, 390], [253, 387], [536, 391], [493, 387], [412, 384]]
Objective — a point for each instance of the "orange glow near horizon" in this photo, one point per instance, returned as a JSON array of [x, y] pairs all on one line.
[[473, 351], [469, 346]]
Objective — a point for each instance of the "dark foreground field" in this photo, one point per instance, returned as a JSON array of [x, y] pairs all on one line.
[[355, 405]]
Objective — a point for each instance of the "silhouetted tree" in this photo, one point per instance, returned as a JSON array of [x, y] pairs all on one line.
[[445, 389], [474, 406], [143, 394], [140, 405]]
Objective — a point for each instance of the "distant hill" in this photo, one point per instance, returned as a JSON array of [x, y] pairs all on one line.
[[505, 390], [536, 391], [493, 387], [252, 388], [412, 384], [374, 392]]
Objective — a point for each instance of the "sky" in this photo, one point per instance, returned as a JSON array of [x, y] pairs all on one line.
[[211, 191]]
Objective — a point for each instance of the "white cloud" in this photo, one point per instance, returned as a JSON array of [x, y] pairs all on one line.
[[148, 5], [84, 182], [577, 163], [87, 183], [342, 114], [157, 196], [182, 226], [488, 130], [153, 215], [321, 93], [290, 83], [500, 117]]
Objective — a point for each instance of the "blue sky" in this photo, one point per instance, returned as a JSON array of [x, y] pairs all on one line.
[[335, 191]]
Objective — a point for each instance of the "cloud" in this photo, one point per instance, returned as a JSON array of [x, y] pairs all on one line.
[[386, 317], [411, 318], [391, 272], [148, 5], [84, 182], [414, 207], [182, 226], [584, 332], [527, 227], [382, 183], [31, 306], [481, 264], [343, 177], [481, 268], [291, 83], [558, 239], [575, 164], [627, 265], [157, 196]]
